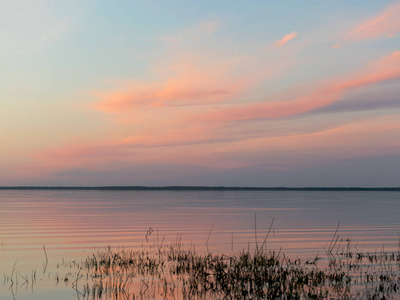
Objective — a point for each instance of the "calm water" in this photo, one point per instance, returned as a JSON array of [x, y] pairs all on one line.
[[73, 224]]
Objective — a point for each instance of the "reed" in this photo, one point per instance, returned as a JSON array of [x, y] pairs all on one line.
[[172, 271]]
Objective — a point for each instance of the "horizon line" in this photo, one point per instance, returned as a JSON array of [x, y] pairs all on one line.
[[193, 188]]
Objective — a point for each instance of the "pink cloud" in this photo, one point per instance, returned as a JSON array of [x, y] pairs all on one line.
[[358, 139], [387, 23], [177, 148], [196, 130], [190, 81], [386, 68], [192, 145], [286, 38], [185, 136], [184, 79]]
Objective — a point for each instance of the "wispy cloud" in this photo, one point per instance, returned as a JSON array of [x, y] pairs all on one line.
[[361, 105], [189, 84], [383, 69], [197, 129], [192, 74], [385, 24], [370, 137], [286, 38]]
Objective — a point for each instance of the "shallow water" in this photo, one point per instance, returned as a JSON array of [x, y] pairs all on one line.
[[73, 224]]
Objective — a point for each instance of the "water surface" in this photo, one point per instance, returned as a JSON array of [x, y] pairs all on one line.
[[73, 224]]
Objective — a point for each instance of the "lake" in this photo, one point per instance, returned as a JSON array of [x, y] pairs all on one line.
[[39, 230]]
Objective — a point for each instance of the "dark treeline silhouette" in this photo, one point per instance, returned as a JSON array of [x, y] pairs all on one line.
[[198, 188]]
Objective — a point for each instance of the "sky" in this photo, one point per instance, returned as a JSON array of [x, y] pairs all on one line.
[[234, 93]]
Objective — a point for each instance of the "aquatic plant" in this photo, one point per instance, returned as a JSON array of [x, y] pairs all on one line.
[[172, 271]]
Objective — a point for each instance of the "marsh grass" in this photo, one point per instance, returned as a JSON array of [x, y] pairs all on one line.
[[175, 272]]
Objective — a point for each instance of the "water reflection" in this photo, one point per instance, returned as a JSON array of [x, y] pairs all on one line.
[[73, 223], [87, 219]]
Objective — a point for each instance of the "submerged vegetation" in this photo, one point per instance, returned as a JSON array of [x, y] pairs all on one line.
[[173, 271]]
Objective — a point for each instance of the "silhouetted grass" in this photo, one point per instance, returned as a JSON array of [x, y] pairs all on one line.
[[171, 272]]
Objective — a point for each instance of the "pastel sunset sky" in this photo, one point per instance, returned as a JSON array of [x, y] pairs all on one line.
[[235, 93]]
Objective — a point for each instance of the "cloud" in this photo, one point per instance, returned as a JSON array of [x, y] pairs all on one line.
[[330, 91], [360, 105], [190, 73], [385, 24], [370, 137], [189, 84], [214, 148], [193, 145], [186, 133], [286, 38], [193, 74]]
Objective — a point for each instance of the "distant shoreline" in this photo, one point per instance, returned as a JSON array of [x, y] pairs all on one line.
[[199, 188]]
